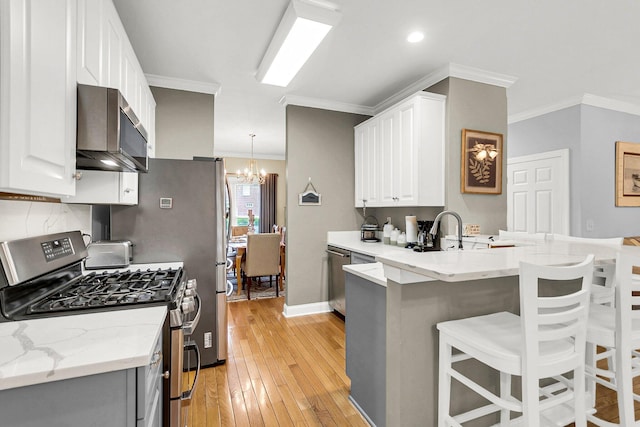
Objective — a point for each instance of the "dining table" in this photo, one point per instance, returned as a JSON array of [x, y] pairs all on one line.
[[239, 243]]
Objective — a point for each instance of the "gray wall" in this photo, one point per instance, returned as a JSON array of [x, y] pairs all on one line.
[[590, 133], [320, 145], [478, 106], [184, 123], [550, 132]]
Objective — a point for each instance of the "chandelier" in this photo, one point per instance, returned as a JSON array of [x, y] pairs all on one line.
[[251, 174]]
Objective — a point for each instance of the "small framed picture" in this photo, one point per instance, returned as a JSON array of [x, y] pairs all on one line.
[[481, 162], [627, 174], [309, 198]]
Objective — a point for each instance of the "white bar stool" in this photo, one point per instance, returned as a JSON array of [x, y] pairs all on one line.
[[546, 341], [617, 329]]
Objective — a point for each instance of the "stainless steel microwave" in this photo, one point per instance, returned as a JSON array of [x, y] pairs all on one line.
[[109, 135]]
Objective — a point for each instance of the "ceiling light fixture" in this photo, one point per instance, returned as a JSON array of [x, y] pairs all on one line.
[[250, 174], [304, 25], [109, 162], [415, 37]]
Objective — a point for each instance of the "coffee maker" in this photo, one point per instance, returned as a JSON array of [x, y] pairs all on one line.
[[427, 242]]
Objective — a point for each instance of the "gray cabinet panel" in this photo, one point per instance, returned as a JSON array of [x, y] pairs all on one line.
[[103, 400], [366, 360]]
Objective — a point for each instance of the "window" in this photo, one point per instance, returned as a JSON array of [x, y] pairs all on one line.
[[244, 197]]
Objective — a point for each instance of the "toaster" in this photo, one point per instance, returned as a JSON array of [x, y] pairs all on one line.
[[109, 254]]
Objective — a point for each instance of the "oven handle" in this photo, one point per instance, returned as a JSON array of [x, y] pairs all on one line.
[[191, 345], [190, 326]]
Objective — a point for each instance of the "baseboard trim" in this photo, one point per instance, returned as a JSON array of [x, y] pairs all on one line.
[[362, 412], [306, 309]]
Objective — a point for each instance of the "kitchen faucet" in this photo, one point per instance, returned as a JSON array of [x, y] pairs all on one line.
[[436, 222]]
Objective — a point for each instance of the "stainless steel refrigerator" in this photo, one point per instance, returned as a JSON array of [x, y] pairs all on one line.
[[180, 216]]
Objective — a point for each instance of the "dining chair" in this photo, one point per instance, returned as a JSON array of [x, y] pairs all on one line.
[[239, 230], [617, 331], [262, 258], [547, 341]]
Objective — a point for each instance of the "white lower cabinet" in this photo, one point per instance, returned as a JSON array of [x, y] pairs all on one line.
[[403, 149], [38, 102], [108, 188], [125, 398]]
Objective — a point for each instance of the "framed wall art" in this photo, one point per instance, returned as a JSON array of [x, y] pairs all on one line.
[[481, 162], [627, 174], [310, 196]]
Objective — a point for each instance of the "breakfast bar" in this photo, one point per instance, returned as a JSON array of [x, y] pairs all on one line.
[[423, 289]]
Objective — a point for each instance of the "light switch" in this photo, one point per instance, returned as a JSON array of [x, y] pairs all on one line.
[[590, 225]]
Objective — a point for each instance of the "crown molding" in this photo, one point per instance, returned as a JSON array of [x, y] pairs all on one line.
[[611, 104], [304, 101], [481, 76], [182, 84], [586, 99], [244, 155], [449, 70]]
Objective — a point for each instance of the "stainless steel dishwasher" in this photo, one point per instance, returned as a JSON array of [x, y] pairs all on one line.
[[337, 258]]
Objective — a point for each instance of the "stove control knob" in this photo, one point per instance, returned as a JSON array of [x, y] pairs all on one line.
[[185, 307], [192, 284], [188, 304]]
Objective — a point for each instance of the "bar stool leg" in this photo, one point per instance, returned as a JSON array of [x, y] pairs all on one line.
[[624, 385], [444, 381], [579, 397], [530, 400], [505, 392], [590, 361]]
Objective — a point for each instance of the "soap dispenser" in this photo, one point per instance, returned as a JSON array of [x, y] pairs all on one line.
[[386, 231]]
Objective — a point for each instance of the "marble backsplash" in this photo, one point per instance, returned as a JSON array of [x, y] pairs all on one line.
[[19, 219]]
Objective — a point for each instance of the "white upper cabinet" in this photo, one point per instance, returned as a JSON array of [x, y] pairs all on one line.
[[403, 147], [89, 42], [110, 188], [367, 145], [38, 97], [106, 58]]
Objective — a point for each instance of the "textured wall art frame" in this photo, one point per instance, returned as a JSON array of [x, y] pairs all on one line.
[[627, 173], [481, 162]]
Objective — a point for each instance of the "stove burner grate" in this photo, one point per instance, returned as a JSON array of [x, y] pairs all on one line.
[[98, 290]]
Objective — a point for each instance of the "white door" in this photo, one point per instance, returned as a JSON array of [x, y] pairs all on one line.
[[538, 193]]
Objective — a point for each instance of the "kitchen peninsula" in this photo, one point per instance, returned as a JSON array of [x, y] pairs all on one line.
[[426, 288]]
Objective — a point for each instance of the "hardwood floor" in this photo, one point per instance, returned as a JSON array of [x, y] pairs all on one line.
[[290, 372], [279, 372]]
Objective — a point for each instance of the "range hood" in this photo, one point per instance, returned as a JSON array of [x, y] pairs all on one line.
[[109, 135]]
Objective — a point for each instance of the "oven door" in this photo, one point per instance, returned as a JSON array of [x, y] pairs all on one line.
[[182, 382]]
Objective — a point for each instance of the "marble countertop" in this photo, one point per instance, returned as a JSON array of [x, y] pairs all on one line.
[[456, 266], [350, 240], [372, 272], [57, 348]]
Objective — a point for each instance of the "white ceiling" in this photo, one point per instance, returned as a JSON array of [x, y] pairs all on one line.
[[556, 50]]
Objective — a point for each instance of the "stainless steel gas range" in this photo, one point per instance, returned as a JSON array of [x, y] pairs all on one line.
[[42, 277]]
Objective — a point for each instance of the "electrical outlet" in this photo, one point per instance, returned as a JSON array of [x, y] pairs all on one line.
[[208, 340], [590, 225]]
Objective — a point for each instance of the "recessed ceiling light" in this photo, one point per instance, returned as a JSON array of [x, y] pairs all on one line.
[[415, 37]]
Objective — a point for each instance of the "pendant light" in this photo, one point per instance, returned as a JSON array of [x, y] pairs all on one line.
[[251, 174]]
